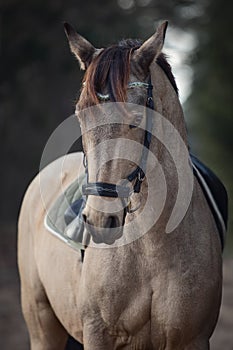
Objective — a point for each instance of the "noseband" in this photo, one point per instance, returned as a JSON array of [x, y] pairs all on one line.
[[104, 189]]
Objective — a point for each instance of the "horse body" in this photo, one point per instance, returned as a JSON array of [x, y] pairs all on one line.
[[161, 291], [163, 283]]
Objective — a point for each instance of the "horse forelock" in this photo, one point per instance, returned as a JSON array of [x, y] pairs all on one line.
[[110, 70]]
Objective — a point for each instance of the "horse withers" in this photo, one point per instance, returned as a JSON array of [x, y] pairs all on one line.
[[151, 277]]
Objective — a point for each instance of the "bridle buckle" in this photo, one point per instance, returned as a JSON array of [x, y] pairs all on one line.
[[141, 177]]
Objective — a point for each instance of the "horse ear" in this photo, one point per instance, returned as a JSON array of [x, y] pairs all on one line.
[[151, 48], [82, 49]]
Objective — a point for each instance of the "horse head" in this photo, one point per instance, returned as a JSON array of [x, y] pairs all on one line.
[[111, 112]]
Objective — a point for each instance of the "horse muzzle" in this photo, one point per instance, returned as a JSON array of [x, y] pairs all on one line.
[[104, 227]]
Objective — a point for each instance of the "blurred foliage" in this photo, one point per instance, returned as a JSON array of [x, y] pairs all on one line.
[[210, 107], [40, 81]]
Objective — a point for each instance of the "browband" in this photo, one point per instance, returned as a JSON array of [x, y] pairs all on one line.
[[132, 85]]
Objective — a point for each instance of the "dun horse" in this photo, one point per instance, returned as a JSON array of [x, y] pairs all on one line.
[[159, 291]]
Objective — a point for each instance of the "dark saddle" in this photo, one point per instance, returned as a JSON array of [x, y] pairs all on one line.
[[213, 189], [215, 193]]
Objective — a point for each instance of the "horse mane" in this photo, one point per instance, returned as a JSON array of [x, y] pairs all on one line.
[[111, 69], [163, 63]]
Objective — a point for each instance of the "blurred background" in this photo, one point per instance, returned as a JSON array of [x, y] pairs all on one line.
[[40, 82]]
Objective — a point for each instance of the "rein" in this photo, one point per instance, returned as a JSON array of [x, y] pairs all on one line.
[[104, 189]]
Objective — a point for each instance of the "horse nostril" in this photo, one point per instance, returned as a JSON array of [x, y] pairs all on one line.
[[84, 218], [110, 222], [113, 222]]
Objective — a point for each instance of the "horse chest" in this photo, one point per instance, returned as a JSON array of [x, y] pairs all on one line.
[[117, 301]]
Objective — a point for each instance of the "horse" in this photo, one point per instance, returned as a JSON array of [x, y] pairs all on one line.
[[158, 290]]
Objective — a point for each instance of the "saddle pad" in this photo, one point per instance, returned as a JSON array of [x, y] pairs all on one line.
[[215, 193], [55, 220], [64, 219]]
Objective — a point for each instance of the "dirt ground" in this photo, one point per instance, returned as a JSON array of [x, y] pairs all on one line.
[[13, 333]]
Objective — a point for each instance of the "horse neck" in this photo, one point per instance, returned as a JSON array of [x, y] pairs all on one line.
[[170, 121], [170, 146], [166, 100]]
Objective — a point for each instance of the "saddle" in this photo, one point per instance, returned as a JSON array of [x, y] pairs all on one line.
[[215, 194], [65, 220]]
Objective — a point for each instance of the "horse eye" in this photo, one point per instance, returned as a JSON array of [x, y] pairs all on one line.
[[137, 121], [131, 126]]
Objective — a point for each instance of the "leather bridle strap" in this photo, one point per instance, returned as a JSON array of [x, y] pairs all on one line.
[[106, 190], [139, 172], [112, 190]]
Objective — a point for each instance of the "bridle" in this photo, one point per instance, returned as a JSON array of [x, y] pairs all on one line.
[[104, 189]]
